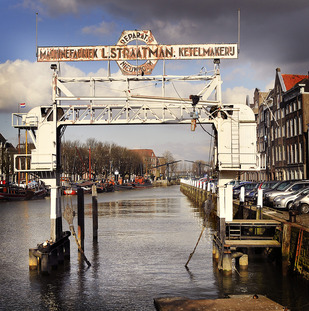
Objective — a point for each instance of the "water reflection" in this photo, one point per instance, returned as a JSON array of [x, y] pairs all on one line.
[[144, 240]]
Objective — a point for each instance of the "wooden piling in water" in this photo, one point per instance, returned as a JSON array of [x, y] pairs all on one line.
[[80, 217], [94, 213]]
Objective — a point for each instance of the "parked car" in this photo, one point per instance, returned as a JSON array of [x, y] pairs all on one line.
[[251, 196], [285, 201], [286, 187], [301, 204], [235, 183], [247, 185]]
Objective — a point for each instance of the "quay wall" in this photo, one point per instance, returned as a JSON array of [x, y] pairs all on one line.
[[293, 236]]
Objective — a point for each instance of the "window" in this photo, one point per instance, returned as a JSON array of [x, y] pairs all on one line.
[[283, 130], [300, 125], [299, 104], [295, 126], [283, 153], [272, 158], [300, 152]]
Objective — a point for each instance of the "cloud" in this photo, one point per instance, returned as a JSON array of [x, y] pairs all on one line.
[[27, 82], [30, 82], [271, 31], [24, 82], [104, 28], [237, 95]]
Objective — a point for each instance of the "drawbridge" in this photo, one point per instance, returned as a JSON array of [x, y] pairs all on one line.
[[79, 101]]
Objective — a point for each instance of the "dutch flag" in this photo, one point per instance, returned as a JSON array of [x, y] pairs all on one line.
[[22, 105]]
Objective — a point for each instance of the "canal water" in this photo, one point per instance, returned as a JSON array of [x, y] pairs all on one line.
[[145, 239]]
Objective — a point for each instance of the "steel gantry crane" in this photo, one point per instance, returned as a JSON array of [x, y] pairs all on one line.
[[235, 126]]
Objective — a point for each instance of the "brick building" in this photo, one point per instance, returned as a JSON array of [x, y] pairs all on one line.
[[282, 127], [149, 161]]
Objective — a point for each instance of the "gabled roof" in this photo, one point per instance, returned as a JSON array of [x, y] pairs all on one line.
[[305, 82], [291, 80]]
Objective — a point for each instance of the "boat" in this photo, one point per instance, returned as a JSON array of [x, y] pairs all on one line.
[[123, 187], [141, 182], [15, 193], [39, 194], [69, 191]]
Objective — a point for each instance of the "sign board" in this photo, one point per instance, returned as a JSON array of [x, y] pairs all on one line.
[[145, 48]]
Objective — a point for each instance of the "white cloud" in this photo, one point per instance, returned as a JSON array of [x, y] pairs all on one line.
[[102, 29], [23, 81], [237, 95]]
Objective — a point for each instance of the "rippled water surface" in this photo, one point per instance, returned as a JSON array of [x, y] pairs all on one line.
[[145, 239]]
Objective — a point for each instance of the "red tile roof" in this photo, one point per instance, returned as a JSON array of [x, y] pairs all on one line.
[[291, 80]]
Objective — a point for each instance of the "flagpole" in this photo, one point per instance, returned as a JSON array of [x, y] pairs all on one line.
[[26, 157], [18, 150]]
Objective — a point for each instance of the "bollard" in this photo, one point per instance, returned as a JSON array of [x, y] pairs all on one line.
[[215, 252], [243, 262], [94, 213], [33, 260], [227, 262]]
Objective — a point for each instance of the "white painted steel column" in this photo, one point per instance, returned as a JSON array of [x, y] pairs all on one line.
[[260, 198], [224, 178], [55, 211], [242, 194], [229, 203]]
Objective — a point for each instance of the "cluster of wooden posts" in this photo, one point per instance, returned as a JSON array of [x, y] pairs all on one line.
[[50, 254]]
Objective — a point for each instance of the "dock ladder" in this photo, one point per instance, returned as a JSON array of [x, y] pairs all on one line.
[[235, 146]]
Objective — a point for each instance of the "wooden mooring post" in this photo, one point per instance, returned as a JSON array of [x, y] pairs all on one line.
[[80, 217], [94, 213]]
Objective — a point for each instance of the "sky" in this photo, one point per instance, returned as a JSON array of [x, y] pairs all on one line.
[[273, 33]]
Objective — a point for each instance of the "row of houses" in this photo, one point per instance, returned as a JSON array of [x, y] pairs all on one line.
[[282, 116]]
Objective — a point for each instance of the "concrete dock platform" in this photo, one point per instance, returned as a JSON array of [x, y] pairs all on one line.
[[232, 303]]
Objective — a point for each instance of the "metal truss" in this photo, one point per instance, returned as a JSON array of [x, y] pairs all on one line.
[[134, 109]]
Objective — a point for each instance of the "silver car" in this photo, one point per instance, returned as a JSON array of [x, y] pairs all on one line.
[[286, 187], [301, 204], [285, 201]]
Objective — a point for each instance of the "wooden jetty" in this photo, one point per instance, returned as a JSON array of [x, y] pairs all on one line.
[[240, 234], [232, 303], [251, 233]]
